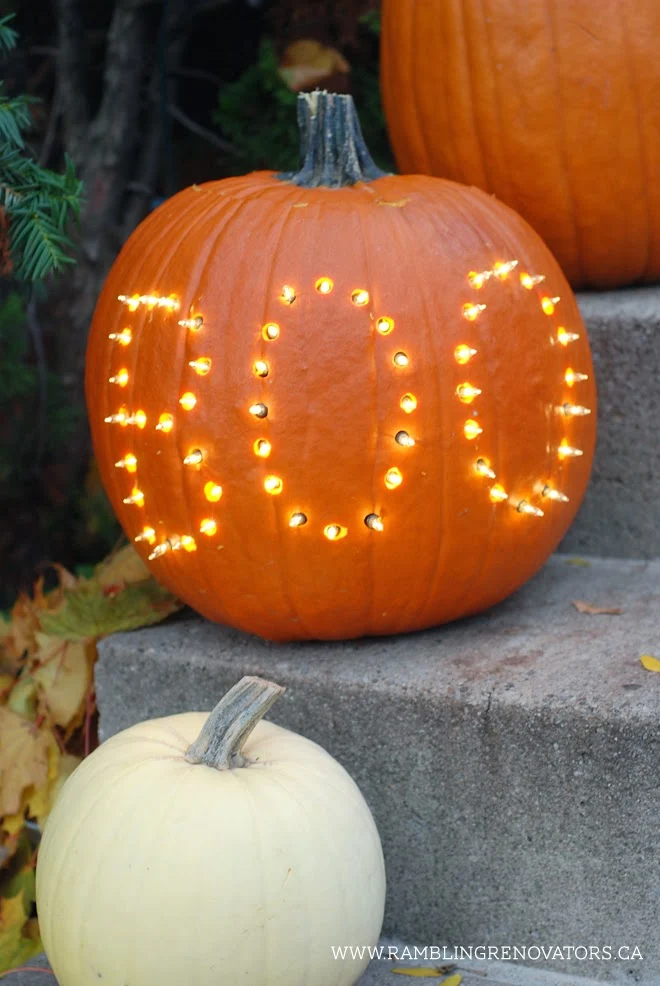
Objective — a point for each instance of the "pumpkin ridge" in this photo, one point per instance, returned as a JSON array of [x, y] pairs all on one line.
[[471, 89]]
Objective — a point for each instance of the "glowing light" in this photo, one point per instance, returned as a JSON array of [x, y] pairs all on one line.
[[146, 534], [139, 419], [270, 331], [120, 378], [165, 422], [273, 485], [194, 458], [212, 492], [502, 269], [195, 322], [208, 527], [287, 294], [548, 304], [172, 543], [467, 393], [575, 410], [477, 279], [564, 337], [571, 377], [471, 429], [498, 494], [566, 451], [150, 300], [530, 280], [403, 438], [131, 302], [201, 366], [393, 478], [482, 467], [374, 522], [188, 401], [188, 543], [400, 359], [550, 494], [262, 447], [526, 508], [119, 418], [297, 520], [384, 325], [136, 497], [124, 337], [129, 463], [258, 410], [324, 285], [463, 354], [261, 368], [470, 311], [360, 297], [334, 532], [408, 403]]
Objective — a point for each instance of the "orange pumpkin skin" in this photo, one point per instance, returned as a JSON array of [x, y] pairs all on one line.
[[337, 399], [554, 108]]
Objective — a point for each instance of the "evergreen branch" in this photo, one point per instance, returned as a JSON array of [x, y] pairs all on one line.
[[8, 36]]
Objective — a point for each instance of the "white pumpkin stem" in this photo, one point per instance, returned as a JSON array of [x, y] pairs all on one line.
[[231, 722]]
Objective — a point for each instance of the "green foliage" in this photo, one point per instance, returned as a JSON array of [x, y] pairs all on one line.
[[37, 202]]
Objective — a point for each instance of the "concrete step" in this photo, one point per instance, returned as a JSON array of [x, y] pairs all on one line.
[[621, 512], [510, 760]]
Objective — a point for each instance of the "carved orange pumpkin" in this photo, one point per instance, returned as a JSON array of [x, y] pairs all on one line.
[[340, 403], [552, 107]]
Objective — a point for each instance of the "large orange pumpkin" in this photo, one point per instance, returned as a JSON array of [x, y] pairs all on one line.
[[553, 107], [340, 403]]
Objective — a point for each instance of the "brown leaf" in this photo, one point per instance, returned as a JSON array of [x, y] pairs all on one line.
[[307, 63], [28, 761], [590, 610], [650, 662], [63, 675]]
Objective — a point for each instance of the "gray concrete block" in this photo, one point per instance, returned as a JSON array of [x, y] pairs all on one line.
[[511, 760], [621, 513]]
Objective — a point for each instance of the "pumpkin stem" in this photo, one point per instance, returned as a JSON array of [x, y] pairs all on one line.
[[332, 149], [231, 722]]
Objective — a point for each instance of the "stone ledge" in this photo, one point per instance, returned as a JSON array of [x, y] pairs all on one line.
[[510, 760]]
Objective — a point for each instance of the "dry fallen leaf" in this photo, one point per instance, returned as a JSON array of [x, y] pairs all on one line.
[[428, 972], [27, 757], [124, 567], [590, 610], [15, 948], [94, 610], [306, 63], [63, 675], [650, 662]]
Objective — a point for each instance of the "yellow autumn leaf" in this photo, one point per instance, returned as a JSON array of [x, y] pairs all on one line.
[[15, 947], [28, 761], [7, 681], [63, 675], [123, 567], [650, 662], [67, 765], [23, 698], [306, 63], [428, 972]]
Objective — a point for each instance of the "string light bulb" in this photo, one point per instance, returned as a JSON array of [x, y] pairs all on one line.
[[471, 312], [165, 422], [208, 527], [212, 491], [564, 337], [195, 322], [360, 297], [131, 302], [118, 418], [139, 419], [571, 377], [146, 534], [384, 325], [483, 469], [270, 331], [273, 485], [188, 401], [498, 494], [120, 378], [136, 497], [172, 543], [472, 429], [124, 337], [463, 354], [531, 280], [400, 359], [297, 520], [477, 279], [324, 285], [374, 522], [201, 366], [393, 478], [129, 463], [258, 410], [188, 543], [575, 410], [551, 494], [408, 403], [566, 451], [261, 368], [526, 508], [548, 304], [287, 294], [262, 447], [502, 269], [334, 532], [194, 458], [467, 393], [403, 438]]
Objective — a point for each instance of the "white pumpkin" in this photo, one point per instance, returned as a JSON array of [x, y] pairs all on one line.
[[174, 859]]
